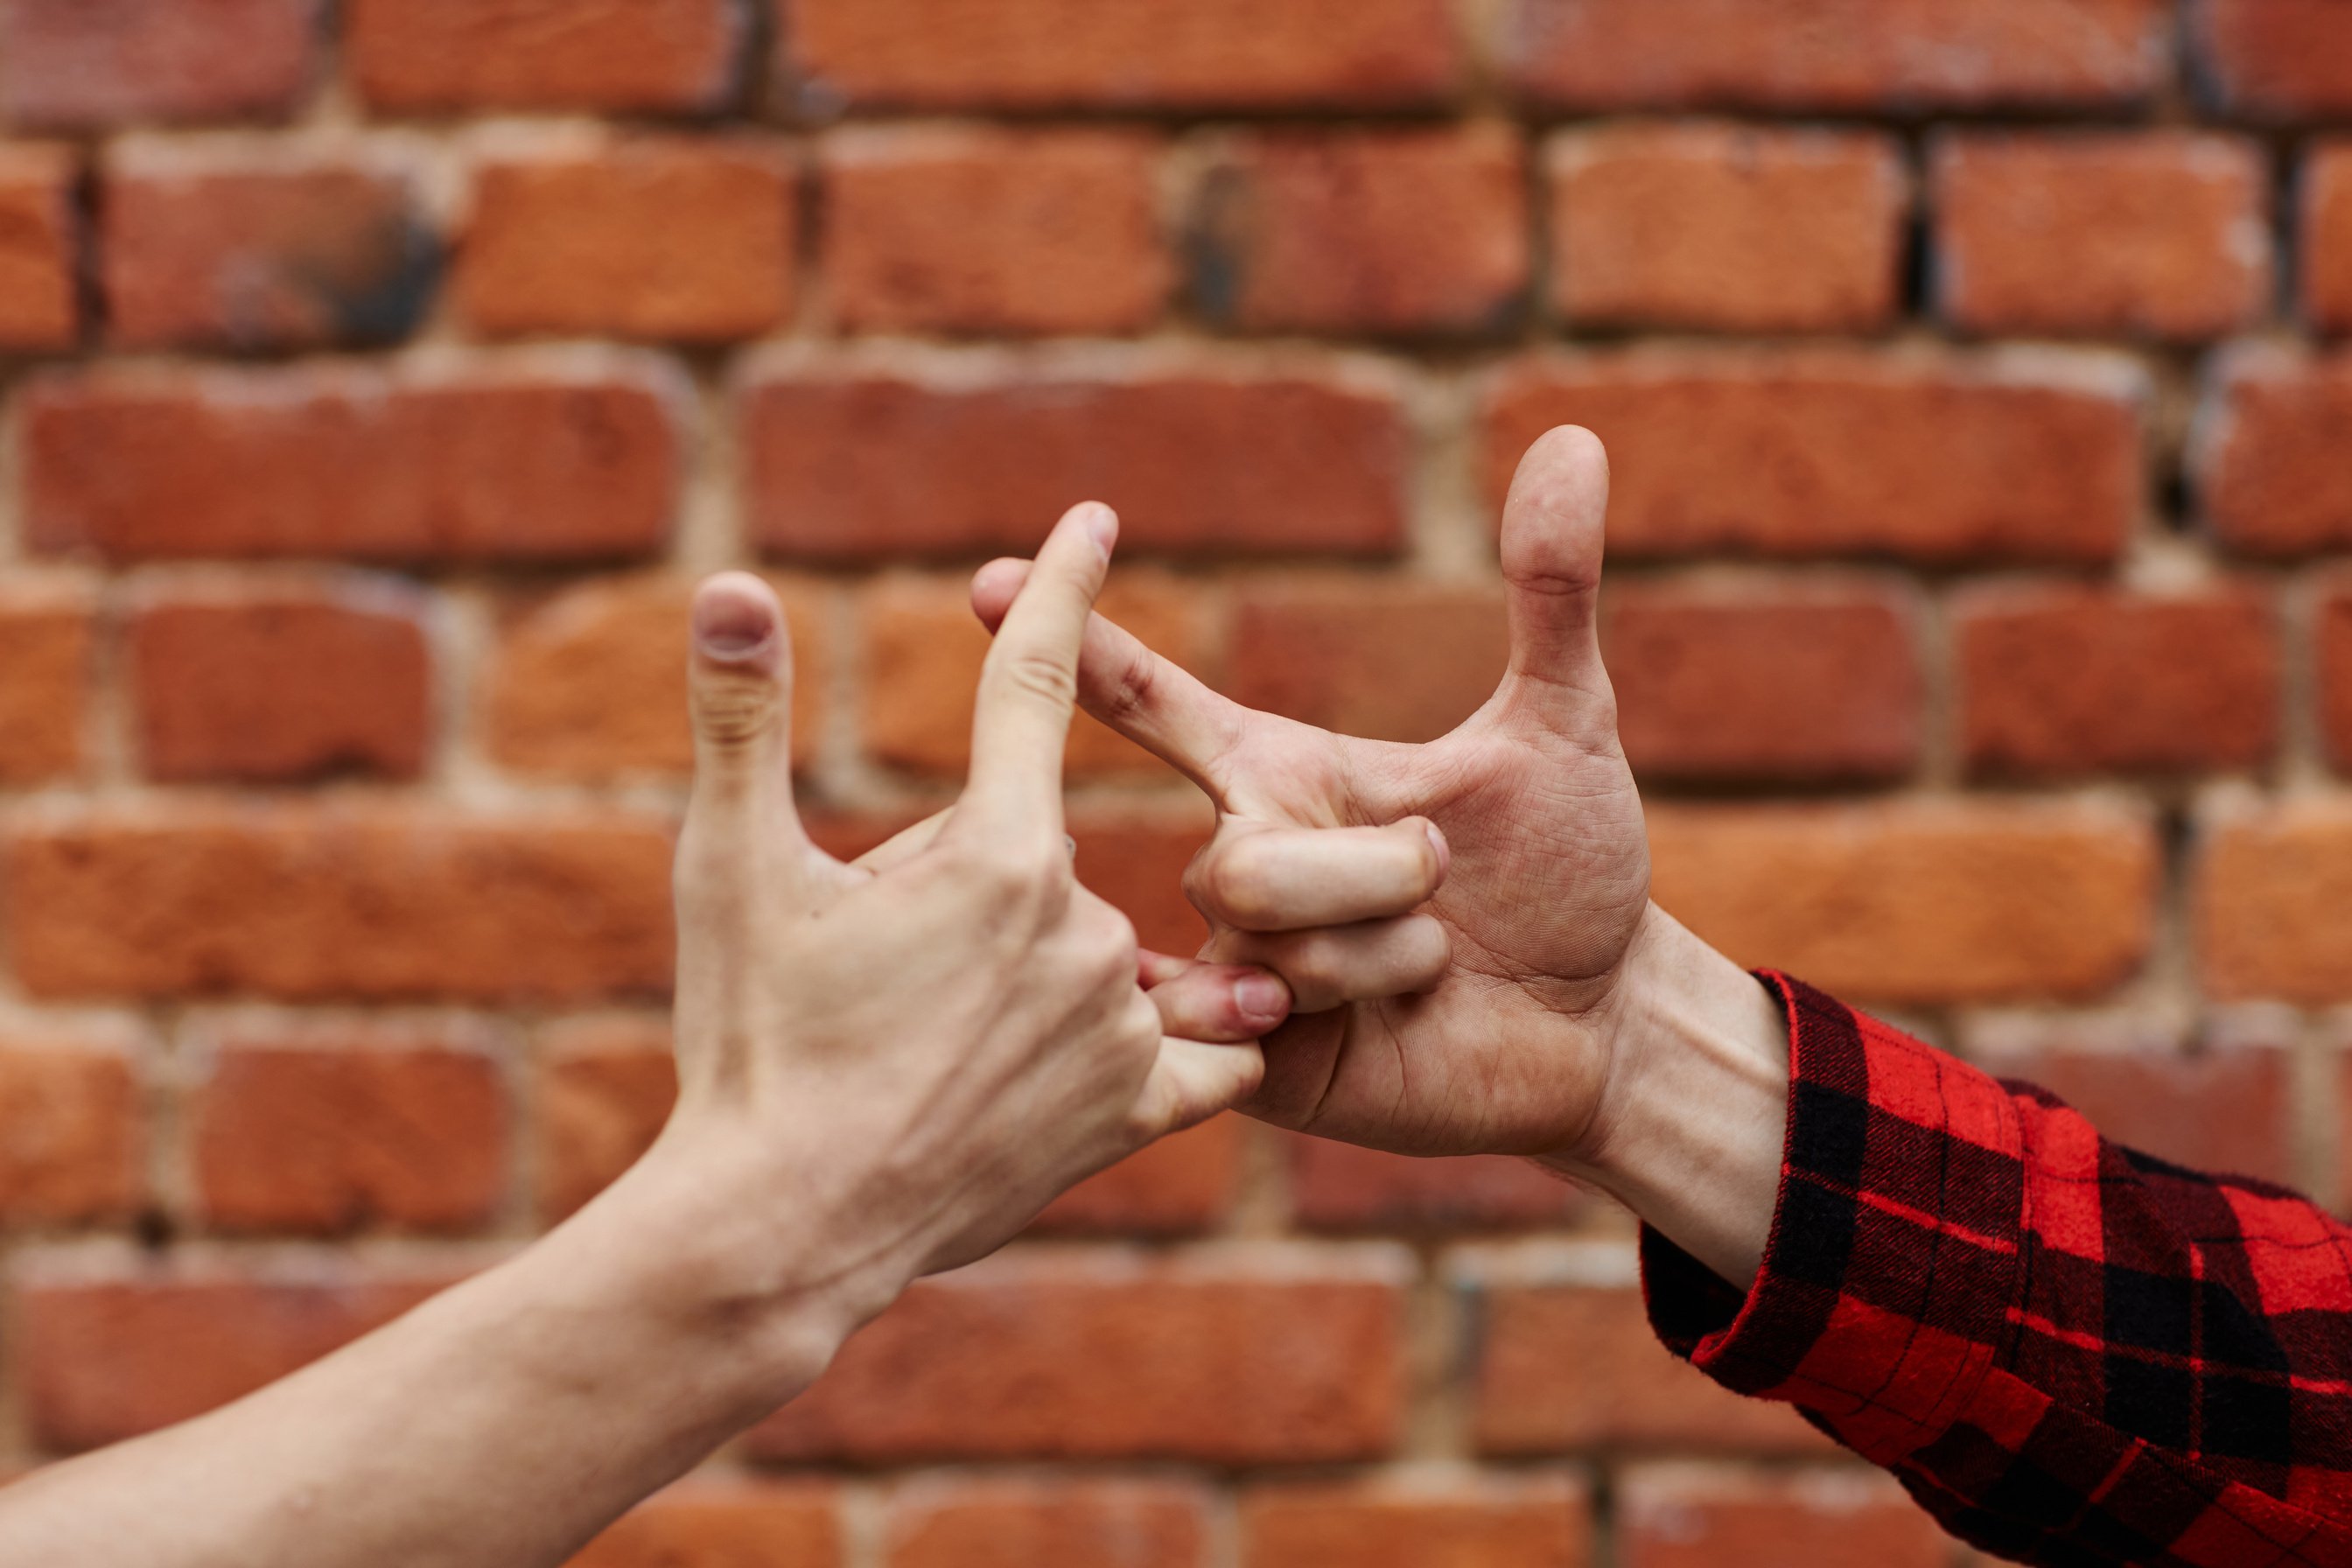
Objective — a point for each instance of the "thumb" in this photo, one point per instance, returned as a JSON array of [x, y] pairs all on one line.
[[740, 685], [1552, 530]]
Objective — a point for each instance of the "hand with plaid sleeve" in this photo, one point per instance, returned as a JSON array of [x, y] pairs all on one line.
[[2069, 1351]]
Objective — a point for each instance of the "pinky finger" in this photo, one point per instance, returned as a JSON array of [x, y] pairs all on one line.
[[1216, 1002]]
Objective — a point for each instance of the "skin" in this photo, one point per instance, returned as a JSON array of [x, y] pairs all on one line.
[[886, 1069], [1466, 925]]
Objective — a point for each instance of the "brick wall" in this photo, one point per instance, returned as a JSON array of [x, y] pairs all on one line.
[[380, 374]]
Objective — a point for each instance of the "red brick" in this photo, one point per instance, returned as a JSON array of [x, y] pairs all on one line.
[[2062, 680], [246, 249], [602, 1090], [2324, 266], [46, 677], [91, 65], [1338, 1186], [1143, 54], [320, 1135], [711, 1523], [427, 55], [1696, 1516], [1180, 1185], [2332, 671], [1838, 55], [72, 1131], [1937, 458], [1194, 459], [106, 1351], [1619, 1388], [973, 1522], [923, 651], [1383, 657], [518, 461], [282, 683], [972, 229], [2268, 454], [1383, 231], [1137, 864], [39, 236], [1919, 903], [1727, 227], [591, 681], [690, 241], [2150, 234], [1489, 1521], [1236, 1356], [2276, 59], [2271, 888], [1703, 674], [2226, 1109], [365, 901]]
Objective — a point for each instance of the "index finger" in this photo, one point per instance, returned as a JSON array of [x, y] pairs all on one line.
[[1028, 688]]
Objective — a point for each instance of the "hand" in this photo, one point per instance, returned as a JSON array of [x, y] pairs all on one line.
[[1518, 965]]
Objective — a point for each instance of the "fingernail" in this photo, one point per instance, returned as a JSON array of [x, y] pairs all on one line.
[[1437, 842], [1102, 527], [731, 629], [1261, 998]]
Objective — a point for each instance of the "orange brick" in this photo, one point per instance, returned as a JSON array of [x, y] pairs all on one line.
[[601, 1091], [958, 1523], [319, 1136], [374, 902], [1386, 231], [2268, 453], [1694, 1516], [2224, 1109], [711, 1523], [423, 56], [931, 230], [1194, 460], [40, 238], [1341, 1187], [2276, 59], [68, 65], [1702, 678], [46, 679], [2324, 211], [1521, 1522], [1178, 1185], [590, 682], [72, 1132], [1241, 1355], [1383, 658], [2270, 889], [1143, 54], [2153, 234], [282, 683], [691, 241], [506, 462], [1917, 903], [1727, 227], [1939, 459], [2067, 680]]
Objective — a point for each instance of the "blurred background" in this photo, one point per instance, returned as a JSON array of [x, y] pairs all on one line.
[[380, 374]]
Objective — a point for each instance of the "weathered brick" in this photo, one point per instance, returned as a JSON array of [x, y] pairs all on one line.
[[1727, 227], [89, 65], [39, 235], [1194, 460], [72, 1130], [1937, 458], [712, 1523], [601, 1090], [516, 460], [1383, 657], [2331, 655], [1144, 53], [1383, 231], [591, 681], [2275, 60], [1622, 1387], [110, 1349], [428, 56], [46, 676], [1702, 677], [2154, 234], [282, 682], [1701, 1516], [1840, 55], [2061, 680], [691, 241], [1239, 1355], [981, 230], [366, 901], [320, 1135], [2271, 887], [1341, 1187], [247, 247], [2229, 1108], [923, 652], [1516, 1521], [1137, 862], [2268, 453], [1180, 1185], [1926, 904], [2323, 265], [986, 1522]]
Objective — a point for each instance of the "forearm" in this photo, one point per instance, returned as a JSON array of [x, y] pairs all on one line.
[[503, 1422]]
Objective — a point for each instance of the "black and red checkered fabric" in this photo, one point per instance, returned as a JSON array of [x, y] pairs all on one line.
[[2069, 1351]]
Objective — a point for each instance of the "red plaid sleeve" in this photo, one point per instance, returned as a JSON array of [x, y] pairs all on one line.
[[2069, 1351]]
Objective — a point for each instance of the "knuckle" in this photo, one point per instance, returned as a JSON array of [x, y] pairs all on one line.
[[1239, 883], [734, 710], [1037, 673]]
